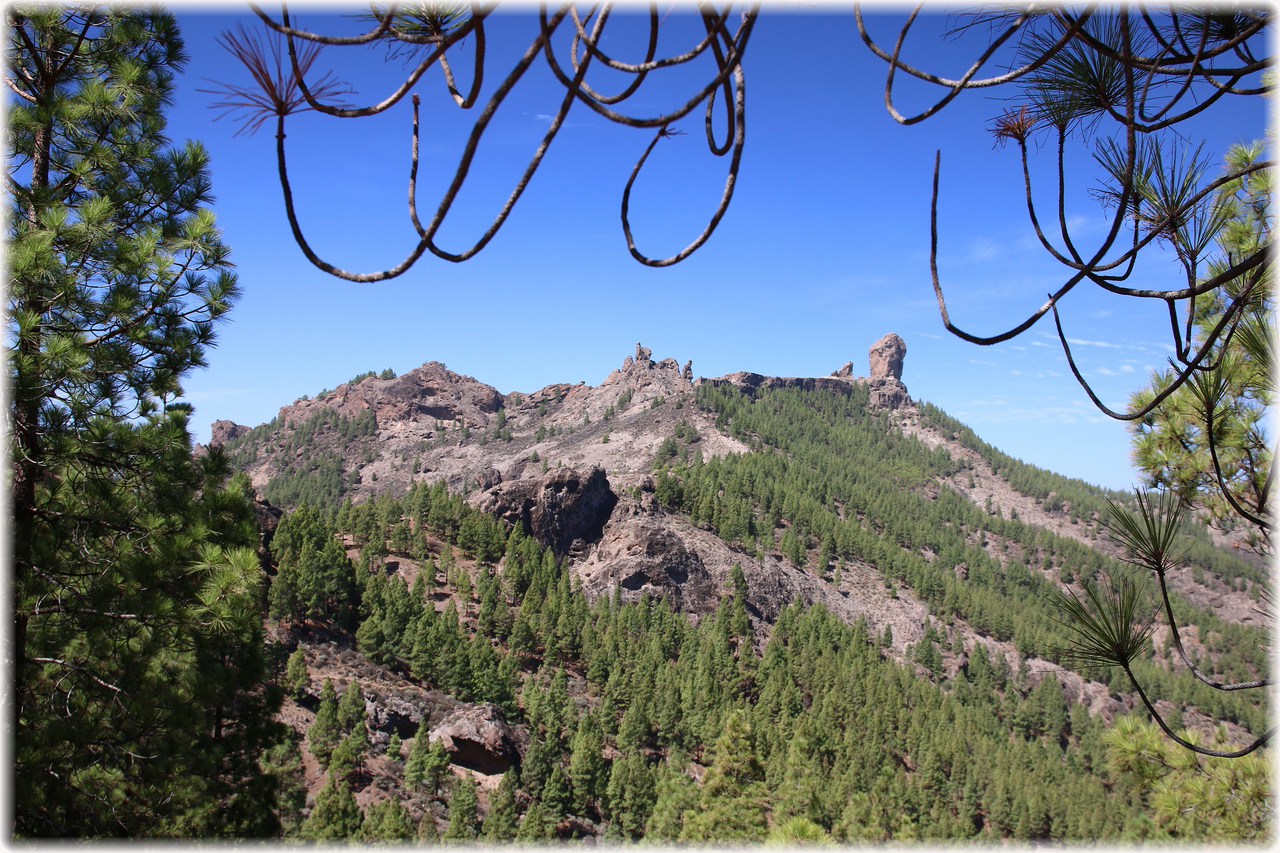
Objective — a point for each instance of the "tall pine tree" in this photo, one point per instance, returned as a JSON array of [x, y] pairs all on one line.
[[127, 584]]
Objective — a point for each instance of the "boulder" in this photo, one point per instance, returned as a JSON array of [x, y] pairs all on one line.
[[886, 357], [478, 737], [687, 373], [645, 556], [405, 709], [846, 371]]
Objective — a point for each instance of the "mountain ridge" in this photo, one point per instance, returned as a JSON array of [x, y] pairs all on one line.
[[839, 494], [457, 428]]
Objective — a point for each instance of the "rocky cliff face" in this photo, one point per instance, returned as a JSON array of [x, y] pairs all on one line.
[[565, 509]]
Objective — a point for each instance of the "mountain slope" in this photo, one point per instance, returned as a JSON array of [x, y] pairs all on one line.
[[837, 492]]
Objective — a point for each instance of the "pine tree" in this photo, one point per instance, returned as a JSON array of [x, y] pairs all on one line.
[[556, 800], [351, 711], [349, 753], [739, 623], [535, 826], [732, 802], [676, 795], [798, 793], [798, 832], [335, 815], [428, 832], [464, 818], [283, 762], [428, 761], [117, 276], [388, 820], [296, 680], [500, 821], [325, 733], [630, 796], [587, 765]]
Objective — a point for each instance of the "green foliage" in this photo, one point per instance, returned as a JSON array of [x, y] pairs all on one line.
[[731, 807], [1192, 797], [677, 795], [325, 732], [349, 753], [428, 763], [535, 826], [798, 832], [388, 820], [283, 763], [500, 822], [1208, 441], [630, 795], [296, 679], [818, 728], [139, 705], [588, 770], [351, 713], [464, 819], [336, 815], [1109, 629]]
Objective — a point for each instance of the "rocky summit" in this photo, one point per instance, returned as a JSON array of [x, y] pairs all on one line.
[[571, 464]]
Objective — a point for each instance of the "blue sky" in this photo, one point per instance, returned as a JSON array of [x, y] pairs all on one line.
[[823, 250]]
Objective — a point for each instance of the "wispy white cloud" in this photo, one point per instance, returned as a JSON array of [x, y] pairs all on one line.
[[1002, 413], [983, 249], [1105, 344]]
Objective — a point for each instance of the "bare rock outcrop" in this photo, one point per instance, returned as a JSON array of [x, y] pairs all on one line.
[[435, 391], [886, 357], [846, 371], [268, 518], [559, 509], [404, 709], [646, 378], [888, 393], [224, 431], [643, 555], [478, 737], [432, 391]]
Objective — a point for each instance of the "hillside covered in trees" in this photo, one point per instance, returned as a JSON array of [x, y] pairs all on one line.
[[854, 637]]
